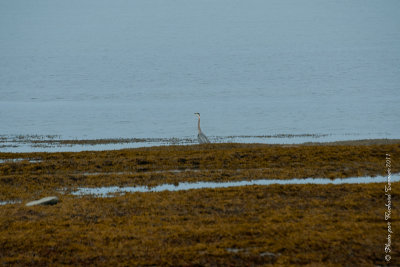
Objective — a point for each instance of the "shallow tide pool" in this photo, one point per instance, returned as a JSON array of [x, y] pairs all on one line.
[[111, 190]]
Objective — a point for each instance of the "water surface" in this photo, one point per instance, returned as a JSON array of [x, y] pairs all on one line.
[[324, 70], [111, 190]]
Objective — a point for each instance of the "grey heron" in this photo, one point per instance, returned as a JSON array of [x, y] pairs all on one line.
[[201, 136]]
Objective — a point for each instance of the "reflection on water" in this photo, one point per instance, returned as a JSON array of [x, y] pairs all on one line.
[[109, 191]]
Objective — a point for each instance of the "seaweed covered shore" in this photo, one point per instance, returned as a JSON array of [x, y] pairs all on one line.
[[283, 225], [318, 225], [25, 176]]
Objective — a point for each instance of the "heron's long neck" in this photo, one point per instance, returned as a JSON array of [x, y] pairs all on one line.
[[198, 125]]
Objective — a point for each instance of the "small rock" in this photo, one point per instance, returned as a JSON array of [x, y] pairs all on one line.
[[43, 201]]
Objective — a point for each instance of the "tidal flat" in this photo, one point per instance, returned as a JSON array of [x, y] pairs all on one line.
[[316, 225]]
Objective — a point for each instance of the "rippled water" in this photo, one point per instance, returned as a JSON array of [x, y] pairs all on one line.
[[321, 70]]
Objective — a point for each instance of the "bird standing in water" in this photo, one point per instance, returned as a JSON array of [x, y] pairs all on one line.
[[201, 136]]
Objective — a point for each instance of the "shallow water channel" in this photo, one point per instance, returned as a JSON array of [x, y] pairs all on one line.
[[20, 160], [116, 190], [109, 191]]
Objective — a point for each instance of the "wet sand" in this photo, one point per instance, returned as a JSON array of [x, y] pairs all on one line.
[[237, 226]]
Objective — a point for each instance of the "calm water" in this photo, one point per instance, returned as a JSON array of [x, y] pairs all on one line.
[[321, 70], [112, 190]]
